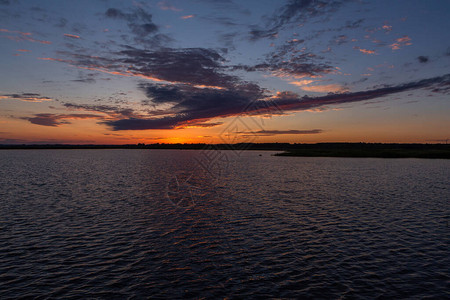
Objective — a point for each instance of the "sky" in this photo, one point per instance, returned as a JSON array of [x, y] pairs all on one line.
[[210, 71]]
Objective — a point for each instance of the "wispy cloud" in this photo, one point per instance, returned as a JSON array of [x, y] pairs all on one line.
[[187, 17], [165, 5], [289, 65], [365, 51], [280, 132], [401, 42], [387, 28], [28, 97], [110, 110], [141, 25], [423, 59], [71, 35], [22, 36], [55, 120], [327, 88], [293, 11], [302, 82]]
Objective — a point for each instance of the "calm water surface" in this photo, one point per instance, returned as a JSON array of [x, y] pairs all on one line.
[[186, 224]]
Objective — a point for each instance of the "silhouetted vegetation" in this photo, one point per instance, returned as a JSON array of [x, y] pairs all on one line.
[[319, 149], [370, 150]]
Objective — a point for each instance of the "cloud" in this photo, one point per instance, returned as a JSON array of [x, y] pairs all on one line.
[[85, 78], [201, 124], [187, 17], [140, 23], [142, 30], [28, 97], [286, 64], [341, 39], [54, 120], [193, 66], [164, 5], [302, 82], [198, 66], [423, 59], [401, 42], [110, 110], [71, 35], [279, 132], [138, 15], [22, 36], [328, 88], [162, 93], [201, 105], [190, 105], [293, 11], [62, 22], [365, 51], [387, 28]]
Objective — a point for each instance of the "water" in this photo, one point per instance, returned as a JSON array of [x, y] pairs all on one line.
[[159, 224]]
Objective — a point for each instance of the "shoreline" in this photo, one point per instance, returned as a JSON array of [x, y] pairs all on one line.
[[376, 150]]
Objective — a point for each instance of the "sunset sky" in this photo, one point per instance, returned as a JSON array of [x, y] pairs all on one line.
[[119, 72]]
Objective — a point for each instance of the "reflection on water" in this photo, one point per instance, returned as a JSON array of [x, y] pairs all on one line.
[[123, 223]]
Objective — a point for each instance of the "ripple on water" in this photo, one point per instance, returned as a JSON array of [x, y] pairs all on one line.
[[99, 224]]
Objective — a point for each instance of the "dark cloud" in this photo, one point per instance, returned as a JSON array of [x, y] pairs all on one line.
[[290, 59], [198, 66], [341, 39], [346, 26], [142, 30], [141, 25], [29, 97], [194, 66], [223, 21], [282, 62], [138, 15], [200, 105], [159, 93], [62, 22], [86, 78], [115, 13], [191, 105], [290, 101], [4, 2], [79, 28], [112, 111], [208, 124], [423, 59], [293, 11], [54, 120]]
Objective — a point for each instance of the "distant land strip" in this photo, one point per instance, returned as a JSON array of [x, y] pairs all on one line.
[[313, 150]]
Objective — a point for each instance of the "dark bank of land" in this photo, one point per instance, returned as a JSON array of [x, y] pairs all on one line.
[[319, 149], [371, 150]]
